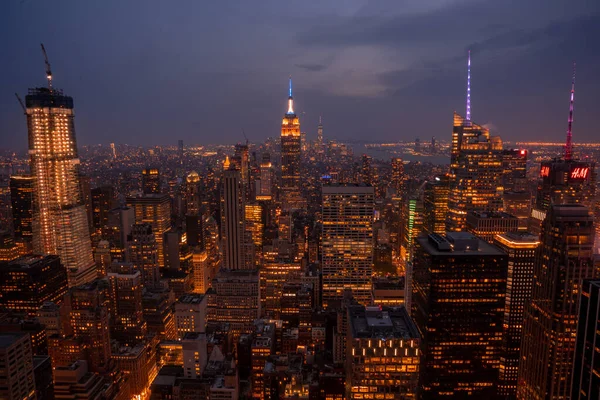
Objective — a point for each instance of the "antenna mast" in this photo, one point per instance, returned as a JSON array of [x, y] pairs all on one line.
[[48, 70], [468, 116], [569, 144]]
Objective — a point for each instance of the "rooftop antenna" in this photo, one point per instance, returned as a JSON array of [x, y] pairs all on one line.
[[245, 137], [48, 70], [21, 103], [290, 99], [468, 116], [569, 144]]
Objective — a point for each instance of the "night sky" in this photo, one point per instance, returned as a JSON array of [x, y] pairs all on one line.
[[149, 72]]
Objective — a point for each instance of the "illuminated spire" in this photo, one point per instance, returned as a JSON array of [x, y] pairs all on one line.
[[569, 144], [468, 116], [290, 99]]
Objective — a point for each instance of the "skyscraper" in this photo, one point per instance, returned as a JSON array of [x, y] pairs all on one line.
[[60, 223], [521, 248], [397, 175], [21, 198], [103, 199], [514, 165], [586, 369], [435, 204], [125, 291], [564, 259], [290, 157], [28, 282], [475, 172], [150, 181], [16, 374], [383, 354], [486, 225], [243, 156], [458, 290], [154, 209], [266, 178], [347, 253], [475, 168], [563, 180], [232, 220]]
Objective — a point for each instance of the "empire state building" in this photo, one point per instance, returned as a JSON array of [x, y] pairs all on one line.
[[290, 157]]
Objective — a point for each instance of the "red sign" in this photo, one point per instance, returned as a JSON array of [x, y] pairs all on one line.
[[545, 171], [580, 172]]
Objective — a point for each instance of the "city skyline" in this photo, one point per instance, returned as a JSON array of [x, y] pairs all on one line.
[[354, 65], [301, 262]]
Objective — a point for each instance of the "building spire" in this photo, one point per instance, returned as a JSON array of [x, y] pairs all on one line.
[[290, 99], [569, 144], [468, 116]]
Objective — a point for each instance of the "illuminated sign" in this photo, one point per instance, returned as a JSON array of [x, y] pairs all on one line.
[[580, 172], [545, 171]]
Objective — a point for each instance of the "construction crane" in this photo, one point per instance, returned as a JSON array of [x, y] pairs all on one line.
[[22, 104], [245, 137], [48, 70]]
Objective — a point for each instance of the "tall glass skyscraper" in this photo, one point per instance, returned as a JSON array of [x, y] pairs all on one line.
[[60, 224], [347, 255], [564, 259]]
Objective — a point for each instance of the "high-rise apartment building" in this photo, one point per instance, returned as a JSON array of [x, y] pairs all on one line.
[[28, 282], [366, 170], [564, 259], [126, 312], [60, 222], [154, 209], [383, 354], [586, 368], [397, 182], [16, 367], [89, 320], [21, 198], [521, 248], [290, 157], [192, 195], [347, 241], [103, 199], [150, 181], [458, 288], [142, 252]]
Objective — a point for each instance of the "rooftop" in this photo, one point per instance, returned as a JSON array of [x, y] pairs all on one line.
[[8, 339], [381, 322], [457, 243], [191, 298]]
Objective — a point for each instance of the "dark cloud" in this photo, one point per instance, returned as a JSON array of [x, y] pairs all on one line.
[[312, 67]]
